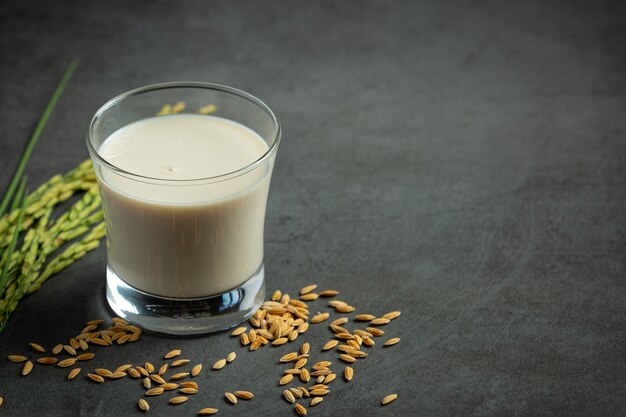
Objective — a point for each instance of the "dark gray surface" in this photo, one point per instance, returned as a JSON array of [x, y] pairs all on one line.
[[464, 163]]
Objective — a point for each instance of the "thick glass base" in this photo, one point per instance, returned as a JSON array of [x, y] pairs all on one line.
[[179, 316]]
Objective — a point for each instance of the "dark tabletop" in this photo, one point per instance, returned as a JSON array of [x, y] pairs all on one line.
[[464, 163]]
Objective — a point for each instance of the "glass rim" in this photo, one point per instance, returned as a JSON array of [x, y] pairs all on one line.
[[185, 84]]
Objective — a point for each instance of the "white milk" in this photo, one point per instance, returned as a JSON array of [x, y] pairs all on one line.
[[184, 239]]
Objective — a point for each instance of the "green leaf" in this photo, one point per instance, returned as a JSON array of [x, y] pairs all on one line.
[[30, 146]]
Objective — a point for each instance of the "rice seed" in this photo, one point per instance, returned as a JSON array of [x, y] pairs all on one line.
[[293, 335], [392, 341], [305, 348], [118, 375], [300, 363], [96, 378], [296, 392], [179, 375], [72, 374], [289, 396], [305, 376], [286, 358], [124, 337], [231, 397], [364, 317], [231, 357], [134, 373], [155, 391], [330, 344], [304, 392], [280, 341], [319, 392], [338, 329], [47, 360], [392, 315], [28, 366], [1, 401], [17, 358], [119, 321], [315, 401], [149, 367], [303, 327], [172, 353], [57, 349], [348, 373], [89, 328], [298, 303], [123, 368], [142, 371], [277, 295], [374, 331], [143, 405], [103, 372], [74, 343], [244, 395], [344, 336], [219, 364], [106, 340], [318, 318], [158, 379], [189, 384], [178, 400], [162, 369], [362, 333], [354, 343], [389, 398], [147, 383], [83, 345], [169, 386], [368, 342], [37, 347], [339, 321], [67, 362], [208, 411], [308, 289], [95, 341], [309, 297], [70, 350], [345, 348], [244, 339], [238, 331], [347, 358], [195, 371], [180, 362], [379, 321], [320, 372], [322, 364], [188, 391], [255, 345], [357, 354], [300, 410], [330, 378], [96, 322], [285, 379], [328, 293], [345, 309]]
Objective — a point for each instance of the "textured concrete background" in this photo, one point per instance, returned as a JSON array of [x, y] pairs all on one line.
[[462, 162]]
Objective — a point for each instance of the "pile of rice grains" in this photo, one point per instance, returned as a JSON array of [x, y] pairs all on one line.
[[279, 321]]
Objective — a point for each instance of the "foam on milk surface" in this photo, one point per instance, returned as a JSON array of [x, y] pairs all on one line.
[[183, 147]]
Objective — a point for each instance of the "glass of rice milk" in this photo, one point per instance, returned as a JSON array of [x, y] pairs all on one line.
[[184, 198]]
